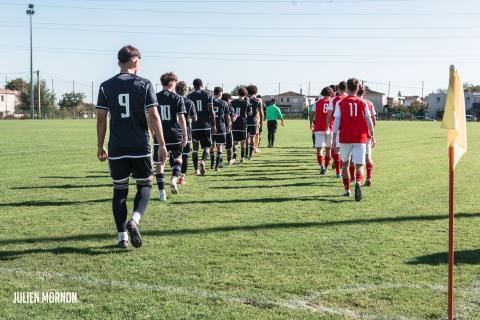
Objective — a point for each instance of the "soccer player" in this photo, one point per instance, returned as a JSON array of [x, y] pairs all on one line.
[[353, 124], [253, 119], [342, 88], [204, 127], [241, 108], [273, 114], [370, 142], [229, 137], [172, 112], [190, 113], [322, 130], [311, 118], [129, 99], [222, 122]]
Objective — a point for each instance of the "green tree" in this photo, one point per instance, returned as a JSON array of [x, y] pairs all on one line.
[[470, 87], [71, 100], [47, 97], [234, 91], [417, 108]]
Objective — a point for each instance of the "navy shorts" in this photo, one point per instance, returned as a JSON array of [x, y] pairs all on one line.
[[204, 137], [252, 129], [174, 149], [138, 168], [219, 138], [239, 135], [229, 142]]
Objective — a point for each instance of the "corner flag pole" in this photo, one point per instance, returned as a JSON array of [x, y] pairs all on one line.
[[451, 256]]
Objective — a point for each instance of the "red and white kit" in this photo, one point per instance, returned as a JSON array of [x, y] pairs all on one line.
[[322, 139]]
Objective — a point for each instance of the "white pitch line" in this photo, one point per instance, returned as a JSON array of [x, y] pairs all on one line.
[[298, 303], [470, 301]]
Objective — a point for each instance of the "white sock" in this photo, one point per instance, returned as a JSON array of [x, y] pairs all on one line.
[[123, 236], [174, 180], [136, 217]]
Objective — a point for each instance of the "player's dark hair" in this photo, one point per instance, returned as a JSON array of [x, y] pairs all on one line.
[[333, 87], [327, 92], [217, 90], [342, 86], [168, 78], [273, 101], [181, 88], [126, 54], [259, 96], [242, 92], [226, 97], [361, 90], [197, 84], [252, 89], [352, 84]]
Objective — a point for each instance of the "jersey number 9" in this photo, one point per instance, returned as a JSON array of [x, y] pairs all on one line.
[[124, 101]]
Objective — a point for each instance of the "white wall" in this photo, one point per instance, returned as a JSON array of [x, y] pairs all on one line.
[[7, 103]]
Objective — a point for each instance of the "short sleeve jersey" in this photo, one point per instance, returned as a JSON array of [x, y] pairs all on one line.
[[353, 112], [333, 103], [202, 99], [321, 110], [241, 108], [256, 105], [170, 105], [221, 110], [127, 97]]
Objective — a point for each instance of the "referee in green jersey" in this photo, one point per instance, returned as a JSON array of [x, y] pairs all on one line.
[[273, 114]]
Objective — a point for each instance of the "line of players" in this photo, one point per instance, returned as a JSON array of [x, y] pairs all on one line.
[[200, 122], [343, 124]]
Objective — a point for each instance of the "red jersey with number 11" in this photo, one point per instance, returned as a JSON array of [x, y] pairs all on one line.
[[353, 113], [321, 110]]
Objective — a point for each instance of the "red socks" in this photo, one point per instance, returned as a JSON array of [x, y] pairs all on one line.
[[359, 177], [346, 183], [320, 160], [369, 170], [327, 161], [336, 159], [352, 171]]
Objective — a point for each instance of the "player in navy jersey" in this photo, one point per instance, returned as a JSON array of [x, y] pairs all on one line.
[[229, 137], [241, 108], [129, 99], [222, 121], [204, 127], [190, 114], [172, 110], [253, 123]]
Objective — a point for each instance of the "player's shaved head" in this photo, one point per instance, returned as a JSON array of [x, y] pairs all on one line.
[[181, 88], [327, 92], [168, 78], [197, 84], [217, 90], [128, 53], [342, 86], [352, 85], [242, 92], [252, 89]]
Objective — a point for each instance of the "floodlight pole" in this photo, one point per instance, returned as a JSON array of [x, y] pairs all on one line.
[[30, 13]]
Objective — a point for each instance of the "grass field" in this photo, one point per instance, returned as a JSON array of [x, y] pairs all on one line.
[[269, 239]]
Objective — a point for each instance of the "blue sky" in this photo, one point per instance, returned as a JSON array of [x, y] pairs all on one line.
[[262, 42]]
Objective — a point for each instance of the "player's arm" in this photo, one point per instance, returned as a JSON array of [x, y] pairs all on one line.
[[101, 132], [183, 126], [262, 115], [280, 116], [156, 126], [311, 117], [228, 121], [336, 123], [329, 114], [371, 126]]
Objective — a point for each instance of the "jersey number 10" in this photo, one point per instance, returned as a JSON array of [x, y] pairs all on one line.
[[353, 109], [124, 101], [165, 112]]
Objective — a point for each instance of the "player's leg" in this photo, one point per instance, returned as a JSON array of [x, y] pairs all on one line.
[[142, 172], [219, 156], [328, 150], [159, 175], [120, 171], [212, 154], [206, 144], [313, 139], [176, 154], [346, 151], [274, 130], [337, 156], [251, 141], [185, 154], [196, 146], [369, 163], [243, 144], [351, 170], [320, 144], [229, 146], [358, 156], [258, 137]]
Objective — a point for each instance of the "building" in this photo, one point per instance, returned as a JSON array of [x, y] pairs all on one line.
[[8, 101], [378, 99], [436, 102], [291, 103]]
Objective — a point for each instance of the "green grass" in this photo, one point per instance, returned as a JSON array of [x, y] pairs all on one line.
[[269, 239]]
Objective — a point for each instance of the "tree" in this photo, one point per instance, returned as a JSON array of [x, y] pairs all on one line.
[[72, 100], [234, 91], [470, 87], [47, 98], [417, 108]]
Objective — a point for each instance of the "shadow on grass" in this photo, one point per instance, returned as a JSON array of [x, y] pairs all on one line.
[[325, 198], [41, 203], [260, 178], [93, 251], [461, 257], [298, 184], [63, 186], [76, 177], [255, 227]]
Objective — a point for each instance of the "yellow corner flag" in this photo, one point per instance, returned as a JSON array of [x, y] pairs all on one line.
[[454, 116]]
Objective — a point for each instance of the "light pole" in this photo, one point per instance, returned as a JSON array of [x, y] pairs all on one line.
[[30, 13]]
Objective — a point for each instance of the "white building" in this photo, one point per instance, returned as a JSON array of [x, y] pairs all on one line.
[[8, 101], [378, 99], [436, 102]]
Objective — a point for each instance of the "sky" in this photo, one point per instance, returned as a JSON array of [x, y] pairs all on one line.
[[275, 44]]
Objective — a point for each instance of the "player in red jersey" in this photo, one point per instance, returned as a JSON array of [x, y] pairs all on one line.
[[323, 137], [353, 125], [342, 88], [371, 141]]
